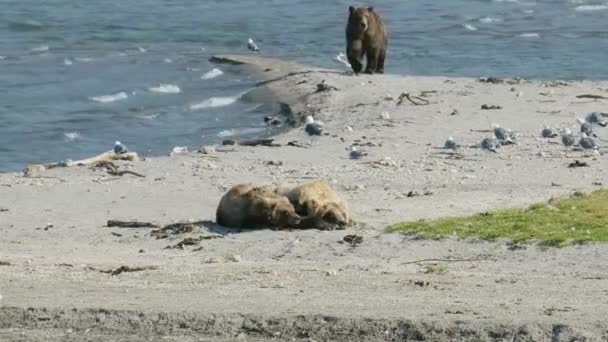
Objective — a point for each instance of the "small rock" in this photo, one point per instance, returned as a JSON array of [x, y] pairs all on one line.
[[454, 112], [212, 260], [142, 251], [331, 273], [349, 128], [234, 258], [385, 115], [179, 149], [207, 149]]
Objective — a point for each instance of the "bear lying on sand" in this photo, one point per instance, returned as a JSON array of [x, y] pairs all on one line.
[[366, 36], [248, 206], [319, 205]]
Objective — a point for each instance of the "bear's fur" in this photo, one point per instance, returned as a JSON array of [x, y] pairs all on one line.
[[319, 205], [366, 36], [249, 206]]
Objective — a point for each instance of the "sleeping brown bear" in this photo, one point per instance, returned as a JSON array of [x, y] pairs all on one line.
[[366, 36]]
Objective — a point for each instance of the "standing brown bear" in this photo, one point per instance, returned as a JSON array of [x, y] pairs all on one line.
[[366, 35]]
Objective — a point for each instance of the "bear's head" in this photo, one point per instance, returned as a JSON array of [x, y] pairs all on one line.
[[333, 214], [282, 213], [359, 18]]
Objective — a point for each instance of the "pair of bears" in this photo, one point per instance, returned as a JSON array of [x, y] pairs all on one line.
[[366, 36], [311, 205]]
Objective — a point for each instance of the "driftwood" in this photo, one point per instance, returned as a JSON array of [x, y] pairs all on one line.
[[591, 96], [130, 224], [124, 269], [415, 100], [251, 142], [109, 156]]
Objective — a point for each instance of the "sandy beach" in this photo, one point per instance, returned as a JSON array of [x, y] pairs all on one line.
[[310, 285]]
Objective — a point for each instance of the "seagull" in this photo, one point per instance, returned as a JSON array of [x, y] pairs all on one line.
[[503, 135], [355, 153], [567, 138], [252, 46], [586, 127], [451, 144], [596, 118], [341, 57], [120, 148], [588, 143], [312, 128], [547, 132], [490, 144]]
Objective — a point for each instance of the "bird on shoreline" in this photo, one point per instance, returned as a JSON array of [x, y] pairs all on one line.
[[251, 45], [312, 128], [567, 138], [547, 132], [355, 153], [451, 144], [586, 127], [504, 136], [120, 148], [596, 118], [587, 143], [490, 144]]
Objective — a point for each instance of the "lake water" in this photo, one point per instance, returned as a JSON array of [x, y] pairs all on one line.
[[77, 75]]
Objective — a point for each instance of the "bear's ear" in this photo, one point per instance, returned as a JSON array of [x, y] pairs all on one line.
[[351, 9], [370, 8]]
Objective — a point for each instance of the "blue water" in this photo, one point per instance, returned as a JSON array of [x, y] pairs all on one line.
[[58, 56]]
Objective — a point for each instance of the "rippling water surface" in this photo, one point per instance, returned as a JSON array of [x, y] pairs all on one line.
[[77, 75]]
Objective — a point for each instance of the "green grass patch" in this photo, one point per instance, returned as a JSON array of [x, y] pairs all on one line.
[[559, 222]]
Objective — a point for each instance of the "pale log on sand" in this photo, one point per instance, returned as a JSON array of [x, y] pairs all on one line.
[[32, 169]]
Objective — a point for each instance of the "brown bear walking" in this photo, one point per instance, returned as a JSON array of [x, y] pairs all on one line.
[[366, 36]]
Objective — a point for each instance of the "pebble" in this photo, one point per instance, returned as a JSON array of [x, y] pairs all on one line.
[[331, 273], [234, 258], [349, 128], [212, 260], [385, 115]]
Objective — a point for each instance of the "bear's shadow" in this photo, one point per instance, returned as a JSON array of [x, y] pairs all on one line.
[[219, 229]]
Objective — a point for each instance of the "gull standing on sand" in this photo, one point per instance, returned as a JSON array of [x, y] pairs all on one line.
[[586, 127], [567, 138], [503, 135], [251, 45], [312, 128], [490, 144], [547, 132], [596, 118], [120, 148], [355, 153], [451, 144], [588, 143]]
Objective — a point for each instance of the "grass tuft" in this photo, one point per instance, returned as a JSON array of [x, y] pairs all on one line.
[[559, 222]]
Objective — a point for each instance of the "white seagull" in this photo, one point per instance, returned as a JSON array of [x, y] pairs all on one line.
[[251, 45], [313, 128], [120, 148]]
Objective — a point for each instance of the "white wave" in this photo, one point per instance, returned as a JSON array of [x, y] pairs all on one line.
[[83, 59], [141, 49], [166, 89], [469, 27], [2, 57], [67, 61], [530, 35], [213, 73], [110, 98], [71, 136], [40, 49], [528, 11], [149, 116], [589, 8], [214, 102], [233, 132], [506, 0], [168, 60], [489, 20]]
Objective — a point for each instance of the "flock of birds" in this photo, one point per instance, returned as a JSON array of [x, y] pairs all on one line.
[[585, 140], [501, 136]]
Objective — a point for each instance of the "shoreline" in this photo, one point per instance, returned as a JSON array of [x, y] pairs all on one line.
[[291, 284]]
